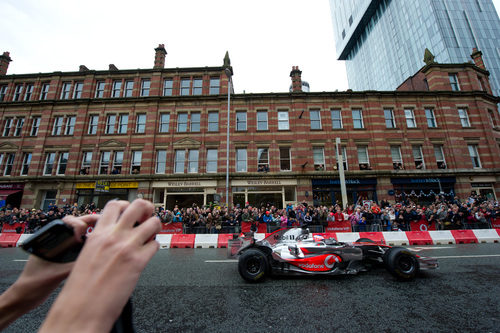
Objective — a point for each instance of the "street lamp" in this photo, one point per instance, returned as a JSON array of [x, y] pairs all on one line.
[[229, 75]]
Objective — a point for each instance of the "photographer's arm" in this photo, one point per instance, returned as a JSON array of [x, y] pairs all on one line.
[[107, 269], [38, 279]]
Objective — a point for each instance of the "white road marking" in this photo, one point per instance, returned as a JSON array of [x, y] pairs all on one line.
[[20, 260], [225, 260], [417, 249], [469, 256]]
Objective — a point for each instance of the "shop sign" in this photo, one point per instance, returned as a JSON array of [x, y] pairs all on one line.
[[11, 186], [263, 182], [124, 185], [185, 183], [482, 185], [423, 180], [102, 186], [82, 186], [350, 181]]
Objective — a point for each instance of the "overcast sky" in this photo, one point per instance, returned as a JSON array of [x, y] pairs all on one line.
[[265, 38]]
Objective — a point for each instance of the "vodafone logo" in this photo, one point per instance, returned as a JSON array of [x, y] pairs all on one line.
[[423, 227], [330, 261], [311, 266]]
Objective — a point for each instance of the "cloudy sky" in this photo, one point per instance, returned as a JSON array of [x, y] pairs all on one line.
[[265, 38]]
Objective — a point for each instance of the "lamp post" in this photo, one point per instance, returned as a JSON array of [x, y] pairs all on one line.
[[229, 75], [340, 161]]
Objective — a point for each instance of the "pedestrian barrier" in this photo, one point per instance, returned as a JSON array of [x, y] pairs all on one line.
[[9, 239], [377, 237], [182, 241], [223, 240], [164, 240], [419, 238], [22, 239], [440, 237], [347, 236], [395, 238], [206, 241], [464, 236], [487, 235]]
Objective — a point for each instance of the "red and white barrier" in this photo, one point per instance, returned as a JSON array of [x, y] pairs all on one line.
[[206, 241], [395, 238], [441, 237]]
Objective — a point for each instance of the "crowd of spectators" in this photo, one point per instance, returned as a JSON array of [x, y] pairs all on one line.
[[442, 214]]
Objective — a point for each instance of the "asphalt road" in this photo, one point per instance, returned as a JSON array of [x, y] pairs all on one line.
[[198, 290]]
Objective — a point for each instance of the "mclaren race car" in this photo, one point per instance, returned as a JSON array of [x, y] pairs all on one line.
[[296, 252]]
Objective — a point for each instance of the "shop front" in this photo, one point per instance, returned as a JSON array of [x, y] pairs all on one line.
[[185, 193], [423, 191], [100, 192], [484, 186], [11, 195], [327, 192], [263, 193]]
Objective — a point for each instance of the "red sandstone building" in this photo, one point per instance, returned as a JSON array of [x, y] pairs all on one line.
[[160, 134]]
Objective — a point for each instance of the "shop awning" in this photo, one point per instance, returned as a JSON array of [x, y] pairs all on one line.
[[5, 193]]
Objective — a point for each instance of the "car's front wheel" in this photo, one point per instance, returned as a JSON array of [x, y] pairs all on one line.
[[253, 265], [401, 263]]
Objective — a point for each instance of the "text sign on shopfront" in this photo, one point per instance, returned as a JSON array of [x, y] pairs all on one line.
[[101, 186]]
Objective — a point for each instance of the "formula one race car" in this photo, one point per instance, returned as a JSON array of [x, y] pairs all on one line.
[[296, 252]]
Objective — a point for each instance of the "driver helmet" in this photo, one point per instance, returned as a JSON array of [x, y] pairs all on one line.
[[318, 238]]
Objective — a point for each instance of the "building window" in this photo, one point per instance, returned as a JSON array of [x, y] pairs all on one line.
[[180, 158], [197, 86], [431, 118], [285, 159], [168, 87], [438, 153], [49, 164], [493, 120], [418, 157], [3, 93], [410, 118], [213, 121], [315, 119], [481, 83], [110, 124], [474, 155], [136, 162], [262, 121], [26, 164], [140, 126], [195, 122], [6, 126], [319, 158], [193, 161], [241, 121], [86, 162], [212, 159], [18, 92], [164, 122], [357, 118], [283, 121], [263, 160], [93, 119], [182, 122], [9, 163], [454, 82], [344, 159], [185, 87], [99, 89], [77, 90], [214, 86], [336, 119], [29, 92], [63, 162], [241, 160], [117, 87], [35, 125], [104, 163], [117, 163], [145, 85], [397, 160], [389, 118], [58, 124], [129, 88], [123, 124], [45, 91], [19, 126], [70, 125], [363, 159], [161, 161], [464, 117], [66, 88]]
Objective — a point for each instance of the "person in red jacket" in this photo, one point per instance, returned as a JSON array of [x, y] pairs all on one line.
[[339, 216]]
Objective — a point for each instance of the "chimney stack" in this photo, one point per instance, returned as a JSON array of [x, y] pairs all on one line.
[[160, 54], [4, 63], [477, 56], [295, 74]]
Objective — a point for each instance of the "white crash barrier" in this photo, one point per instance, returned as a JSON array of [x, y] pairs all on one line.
[[22, 239], [347, 237], [395, 238], [259, 236], [440, 237], [206, 241], [486, 235], [164, 240]]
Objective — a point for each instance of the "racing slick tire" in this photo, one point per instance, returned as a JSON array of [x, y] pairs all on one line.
[[253, 265], [401, 263]]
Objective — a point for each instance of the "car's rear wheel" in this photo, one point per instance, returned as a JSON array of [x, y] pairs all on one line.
[[401, 263], [253, 265]]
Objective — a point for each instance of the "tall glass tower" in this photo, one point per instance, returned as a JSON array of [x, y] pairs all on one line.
[[383, 41]]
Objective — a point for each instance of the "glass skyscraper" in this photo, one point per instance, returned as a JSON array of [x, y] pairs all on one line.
[[383, 41]]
